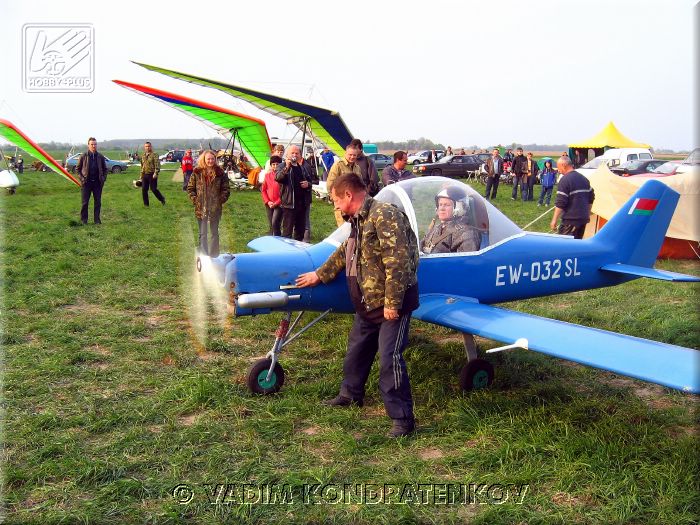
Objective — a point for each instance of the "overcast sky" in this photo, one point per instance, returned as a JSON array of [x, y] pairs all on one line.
[[456, 72]]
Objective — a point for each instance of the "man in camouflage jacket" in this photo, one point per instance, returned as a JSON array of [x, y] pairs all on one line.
[[380, 259], [150, 168]]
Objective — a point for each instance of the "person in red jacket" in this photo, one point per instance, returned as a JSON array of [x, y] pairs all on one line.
[[270, 192], [187, 167]]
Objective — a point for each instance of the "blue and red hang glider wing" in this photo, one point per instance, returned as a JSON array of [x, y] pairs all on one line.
[[664, 364], [12, 134], [325, 124], [251, 132]]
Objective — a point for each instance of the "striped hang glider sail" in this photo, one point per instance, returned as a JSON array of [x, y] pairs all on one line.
[[324, 124], [12, 134], [251, 132]]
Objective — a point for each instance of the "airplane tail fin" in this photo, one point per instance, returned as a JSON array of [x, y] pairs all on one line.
[[638, 229]]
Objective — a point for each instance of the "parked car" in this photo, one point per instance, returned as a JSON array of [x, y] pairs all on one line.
[[667, 168], [380, 160], [422, 156], [174, 155], [115, 166], [635, 167], [451, 166]]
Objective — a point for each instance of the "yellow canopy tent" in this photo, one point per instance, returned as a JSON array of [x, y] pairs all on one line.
[[608, 137]]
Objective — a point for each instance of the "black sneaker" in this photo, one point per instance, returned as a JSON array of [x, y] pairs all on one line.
[[402, 428], [342, 401]]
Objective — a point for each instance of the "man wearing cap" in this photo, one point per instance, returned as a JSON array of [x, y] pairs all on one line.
[[448, 233], [187, 167]]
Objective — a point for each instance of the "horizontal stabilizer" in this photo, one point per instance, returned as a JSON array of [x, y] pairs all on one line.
[[661, 363], [276, 244], [651, 273]]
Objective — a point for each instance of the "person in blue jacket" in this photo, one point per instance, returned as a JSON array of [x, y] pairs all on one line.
[[548, 177]]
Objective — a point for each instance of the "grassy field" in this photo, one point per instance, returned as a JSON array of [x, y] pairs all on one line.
[[125, 403]]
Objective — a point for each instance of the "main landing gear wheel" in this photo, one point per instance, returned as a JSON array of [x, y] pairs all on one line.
[[257, 377], [476, 374]]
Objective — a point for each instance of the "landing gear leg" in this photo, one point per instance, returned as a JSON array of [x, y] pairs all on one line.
[[477, 373]]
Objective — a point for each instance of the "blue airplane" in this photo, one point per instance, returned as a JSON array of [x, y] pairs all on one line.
[[457, 290]]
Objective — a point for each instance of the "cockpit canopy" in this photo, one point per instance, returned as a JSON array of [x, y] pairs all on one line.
[[416, 198]]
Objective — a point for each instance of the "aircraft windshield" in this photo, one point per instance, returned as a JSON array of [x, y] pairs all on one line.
[[416, 197]]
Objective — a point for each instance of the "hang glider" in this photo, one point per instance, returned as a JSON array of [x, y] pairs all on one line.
[[251, 132], [12, 134], [324, 124]]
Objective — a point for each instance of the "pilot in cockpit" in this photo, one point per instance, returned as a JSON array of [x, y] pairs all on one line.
[[449, 231]]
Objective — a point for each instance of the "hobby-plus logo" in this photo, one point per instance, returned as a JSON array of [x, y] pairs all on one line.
[[58, 58]]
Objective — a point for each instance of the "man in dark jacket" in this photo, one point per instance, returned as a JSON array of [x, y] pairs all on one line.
[[397, 171], [368, 170], [295, 177], [92, 169], [380, 259], [574, 200], [519, 173], [494, 170], [532, 171]]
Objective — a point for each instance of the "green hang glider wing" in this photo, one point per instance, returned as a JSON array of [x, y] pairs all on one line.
[[251, 132], [325, 124], [12, 134]]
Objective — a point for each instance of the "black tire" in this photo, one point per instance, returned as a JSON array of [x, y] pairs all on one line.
[[416, 162], [475, 375], [116, 169], [258, 373], [436, 173]]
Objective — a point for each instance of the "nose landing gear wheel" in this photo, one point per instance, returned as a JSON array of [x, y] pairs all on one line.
[[476, 374], [258, 382]]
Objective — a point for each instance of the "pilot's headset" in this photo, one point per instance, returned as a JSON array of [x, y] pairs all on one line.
[[457, 196]]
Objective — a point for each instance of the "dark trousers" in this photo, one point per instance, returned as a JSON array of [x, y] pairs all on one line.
[[492, 186], [294, 222], [516, 183], [88, 188], [531, 188], [389, 339], [149, 182], [572, 229], [524, 188], [210, 225], [545, 193], [186, 179], [274, 220]]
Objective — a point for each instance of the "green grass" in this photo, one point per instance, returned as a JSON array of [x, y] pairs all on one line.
[[113, 396]]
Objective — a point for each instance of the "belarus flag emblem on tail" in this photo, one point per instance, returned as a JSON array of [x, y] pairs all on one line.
[[643, 206]]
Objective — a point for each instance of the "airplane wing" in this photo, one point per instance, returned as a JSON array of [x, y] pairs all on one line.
[[252, 133], [668, 365], [325, 124], [12, 134]]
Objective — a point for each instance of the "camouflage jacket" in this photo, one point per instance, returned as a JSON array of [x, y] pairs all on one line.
[[386, 252], [208, 199], [451, 237], [150, 163]]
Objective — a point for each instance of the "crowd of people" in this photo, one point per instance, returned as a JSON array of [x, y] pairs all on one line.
[[379, 258]]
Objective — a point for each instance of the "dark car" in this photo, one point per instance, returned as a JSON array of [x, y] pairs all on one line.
[[451, 166], [380, 160], [114, 166], [174, 155], [635, 167]]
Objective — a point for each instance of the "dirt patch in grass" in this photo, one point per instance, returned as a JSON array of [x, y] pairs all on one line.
[[428, 454], [100, 350], [188, 420], [205, 355], [311, 431], [569, 500], [82, 307], [99, 365]]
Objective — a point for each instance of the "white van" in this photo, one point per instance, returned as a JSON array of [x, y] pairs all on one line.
[[614, 157]]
